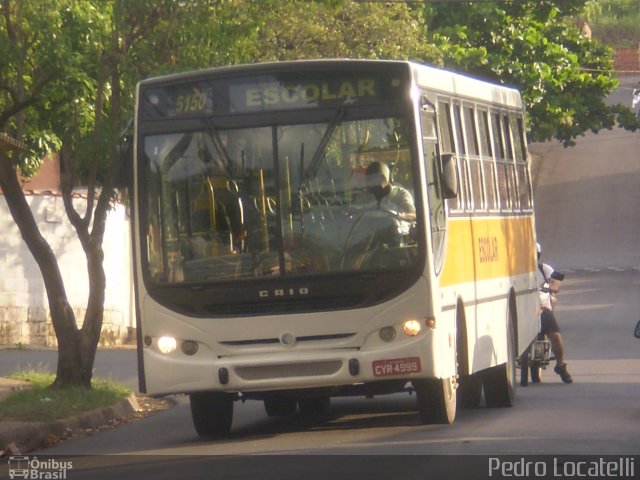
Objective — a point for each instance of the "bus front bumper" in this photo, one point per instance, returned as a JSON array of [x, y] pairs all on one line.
[[295, 369]]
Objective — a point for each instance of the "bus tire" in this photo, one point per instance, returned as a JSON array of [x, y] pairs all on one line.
[[436, 400], [212, 413], [314, 406], [279, 405], [499, 381]]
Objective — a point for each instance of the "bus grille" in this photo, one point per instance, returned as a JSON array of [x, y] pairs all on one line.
[[288, 370], [270, 341]]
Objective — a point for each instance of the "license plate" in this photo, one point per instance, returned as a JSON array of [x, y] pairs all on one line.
[[396, 366]]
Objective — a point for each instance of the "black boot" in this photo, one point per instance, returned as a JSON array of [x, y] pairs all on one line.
[[564, 374]]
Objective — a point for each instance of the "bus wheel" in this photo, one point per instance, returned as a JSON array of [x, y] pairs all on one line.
[[212, 413], [314, 406], [499, 381], [279, 405], [436, 400]]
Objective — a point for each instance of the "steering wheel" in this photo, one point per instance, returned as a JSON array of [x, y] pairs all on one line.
[[372, 240]]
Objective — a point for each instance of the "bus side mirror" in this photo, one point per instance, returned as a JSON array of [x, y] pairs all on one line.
[[637, 332], [449, 180]]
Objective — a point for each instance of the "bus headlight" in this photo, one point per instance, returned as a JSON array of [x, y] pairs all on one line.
[[411, 328], [167, 344]]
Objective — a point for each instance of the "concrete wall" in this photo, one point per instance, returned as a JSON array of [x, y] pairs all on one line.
[[24, 311]]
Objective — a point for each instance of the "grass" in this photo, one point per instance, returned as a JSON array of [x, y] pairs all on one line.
[[39, 403]]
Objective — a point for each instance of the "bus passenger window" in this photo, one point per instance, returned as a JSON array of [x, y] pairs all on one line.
[[470, 131], [524, 186], [458, 127], [507, 137], [446, 130], [464, 188], [476, 184], [503, 185], [485, 137], [434, 195], [490, 184], [498, 145], [518, 139]]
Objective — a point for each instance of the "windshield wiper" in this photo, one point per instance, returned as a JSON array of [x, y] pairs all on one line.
[[316, 160], [217, 142]]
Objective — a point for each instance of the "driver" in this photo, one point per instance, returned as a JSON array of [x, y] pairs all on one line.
[[393, 198]]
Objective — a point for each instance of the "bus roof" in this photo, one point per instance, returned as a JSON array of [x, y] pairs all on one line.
[[426, 76]]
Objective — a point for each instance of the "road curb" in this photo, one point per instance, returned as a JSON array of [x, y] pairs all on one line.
[[21, 437]]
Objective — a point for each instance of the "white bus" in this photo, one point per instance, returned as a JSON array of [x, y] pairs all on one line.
[[274, 263]]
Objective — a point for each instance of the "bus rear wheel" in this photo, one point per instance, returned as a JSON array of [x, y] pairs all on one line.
[[436, 400], [212, 413]]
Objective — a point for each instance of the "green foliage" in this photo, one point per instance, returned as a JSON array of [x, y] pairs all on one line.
[[563, 76], [35, 42], [40, 402], [375, 30]]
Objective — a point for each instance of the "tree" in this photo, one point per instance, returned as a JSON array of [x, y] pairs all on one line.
[[65, 85], [534, 46], [33, 69], [345, 29]]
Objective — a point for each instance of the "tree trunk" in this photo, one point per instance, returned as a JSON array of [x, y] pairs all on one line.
[[74, 367]]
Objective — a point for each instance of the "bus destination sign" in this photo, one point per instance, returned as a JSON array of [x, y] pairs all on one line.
[[266, 93], [313, 93]]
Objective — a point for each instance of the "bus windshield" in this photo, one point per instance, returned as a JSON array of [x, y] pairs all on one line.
[[274, 200]]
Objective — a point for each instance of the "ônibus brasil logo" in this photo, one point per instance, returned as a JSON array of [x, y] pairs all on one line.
[[34, 469]]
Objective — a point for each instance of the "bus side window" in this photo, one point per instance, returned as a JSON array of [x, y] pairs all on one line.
[[498, 145], [448, 145], [502, 173], [490, 184], [434, 194], [463, 200], [522, 171], [446, 132], [486, 152], [475, 167], [475, 170], [509, 165]]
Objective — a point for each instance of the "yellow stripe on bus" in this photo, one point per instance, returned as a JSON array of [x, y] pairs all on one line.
[[484, 248]]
